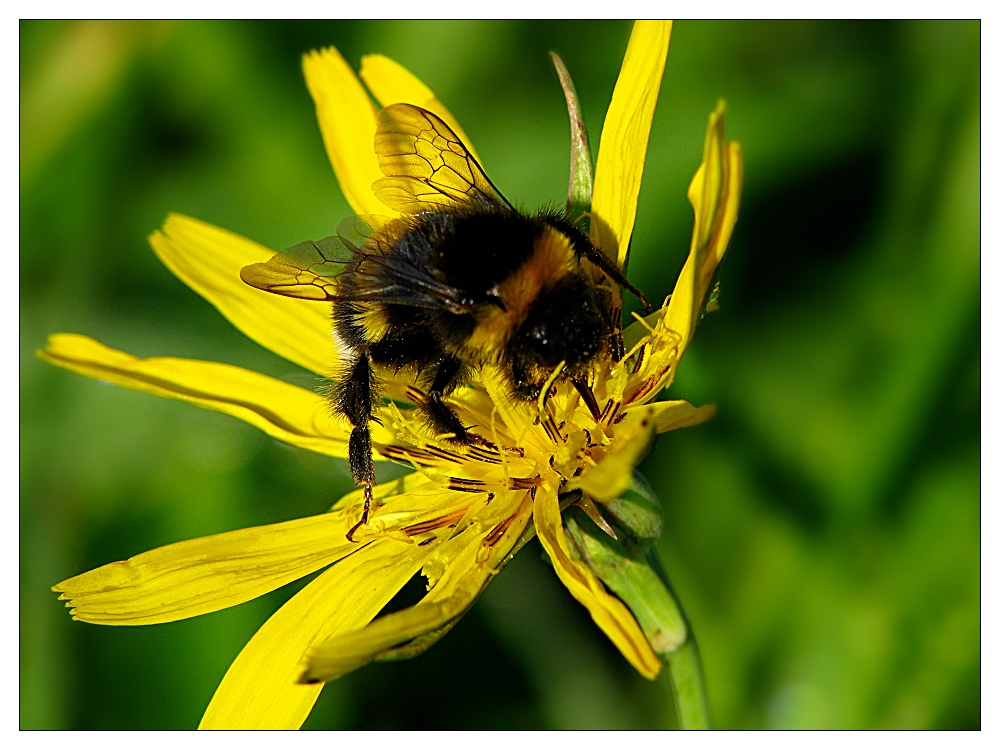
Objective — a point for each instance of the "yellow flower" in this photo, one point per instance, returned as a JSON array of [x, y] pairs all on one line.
[[463, 512]]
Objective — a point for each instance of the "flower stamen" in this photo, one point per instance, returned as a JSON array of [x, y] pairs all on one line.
[[460, 484], [583, 388], [451, 519], [524, 483]]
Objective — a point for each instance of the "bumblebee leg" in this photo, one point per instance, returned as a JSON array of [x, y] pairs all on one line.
[[438, 412], [600, 260], [363, 469], [354, 400]]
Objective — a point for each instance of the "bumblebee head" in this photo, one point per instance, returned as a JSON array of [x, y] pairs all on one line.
[[564, 324]]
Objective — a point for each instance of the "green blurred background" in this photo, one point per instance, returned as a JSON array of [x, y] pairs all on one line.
[[823, 530]]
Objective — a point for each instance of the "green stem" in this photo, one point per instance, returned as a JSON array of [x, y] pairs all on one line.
[[687, 683], [687, 679]]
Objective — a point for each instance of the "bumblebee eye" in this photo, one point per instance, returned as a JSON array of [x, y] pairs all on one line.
[[540, 335], [544, 343]]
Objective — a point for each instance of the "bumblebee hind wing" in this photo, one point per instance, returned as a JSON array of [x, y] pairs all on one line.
[[426, 166], [384, 275], [304, 271], [348, 267]]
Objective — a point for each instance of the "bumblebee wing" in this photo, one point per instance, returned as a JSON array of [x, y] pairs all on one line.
[[365, 231], [305, 271], [384, 275], [426, 166]]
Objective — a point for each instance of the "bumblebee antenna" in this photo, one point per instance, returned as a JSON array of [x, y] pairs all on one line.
[[601, 261]]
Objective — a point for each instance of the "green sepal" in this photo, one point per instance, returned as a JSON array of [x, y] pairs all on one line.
[[630, 566], [636, 512]]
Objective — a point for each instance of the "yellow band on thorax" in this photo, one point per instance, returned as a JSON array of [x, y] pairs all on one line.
[[552, 258]]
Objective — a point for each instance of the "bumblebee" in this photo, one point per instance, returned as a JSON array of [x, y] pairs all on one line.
[[459, 281]]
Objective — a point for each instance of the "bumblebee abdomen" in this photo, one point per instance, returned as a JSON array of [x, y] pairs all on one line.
[[393, 335]]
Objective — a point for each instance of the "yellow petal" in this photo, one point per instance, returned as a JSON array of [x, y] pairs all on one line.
[[652, 360], [286, 412], [209, 259], [404, 485], [347, 120], [715, 196], [391, 83], [610, 478], [608, 612], [205, 575], [468, 561], [259, 690], [426, 510], [624, 137], [673, 415], [339, 655]]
